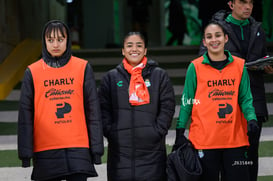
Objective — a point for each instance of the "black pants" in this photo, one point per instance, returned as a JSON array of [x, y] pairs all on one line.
[[231, 161], [73, 177], [253, 151]]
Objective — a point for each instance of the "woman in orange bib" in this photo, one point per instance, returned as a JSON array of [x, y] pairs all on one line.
[[59, 124], [218, 101]]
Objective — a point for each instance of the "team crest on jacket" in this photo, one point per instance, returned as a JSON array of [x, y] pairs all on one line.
[[120, 83], [147, 83]]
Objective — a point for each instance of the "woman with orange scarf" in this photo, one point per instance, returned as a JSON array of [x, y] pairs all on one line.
[[138, 103]]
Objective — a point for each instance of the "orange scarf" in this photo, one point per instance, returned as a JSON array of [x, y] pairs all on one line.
[[138, 91]]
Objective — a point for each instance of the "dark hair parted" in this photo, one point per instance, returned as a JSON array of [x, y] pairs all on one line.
[[215, 23], [138, 34]]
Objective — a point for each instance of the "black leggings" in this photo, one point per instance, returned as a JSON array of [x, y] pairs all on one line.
[[231, 161], [253, 151], [73, 177]]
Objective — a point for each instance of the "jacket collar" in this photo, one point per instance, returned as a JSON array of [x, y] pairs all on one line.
[[206, 58]]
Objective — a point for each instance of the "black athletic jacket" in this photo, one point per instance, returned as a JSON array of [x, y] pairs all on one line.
[[60, 162], [136, 134]]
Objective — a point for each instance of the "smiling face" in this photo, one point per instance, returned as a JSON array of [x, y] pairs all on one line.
[[134, 49], [214, 39], [241, 9], [56, 43]]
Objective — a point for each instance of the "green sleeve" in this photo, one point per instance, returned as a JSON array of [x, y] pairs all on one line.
[[187, 97], [245, 98]]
